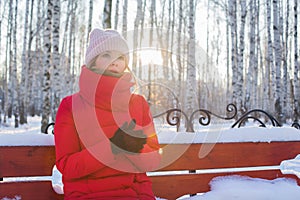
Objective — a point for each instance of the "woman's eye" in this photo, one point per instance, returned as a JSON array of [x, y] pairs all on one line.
[[106, 55], [121, 58]]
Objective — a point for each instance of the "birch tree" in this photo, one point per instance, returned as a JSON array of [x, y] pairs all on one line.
[[296, 65], [269, 61], [15, 86], [277, 53], [285, 84], [259, 65], [30, 93], [191, 61], [106, 23], [250, 83], [90, 20], [46, 108], [37, 59], [116, 14], [256, 37], [137, 21], [56, 86], [240, 67], [7, 71], [1, 89], [124, 21], [24, 78], [233, 31], [178, 49]]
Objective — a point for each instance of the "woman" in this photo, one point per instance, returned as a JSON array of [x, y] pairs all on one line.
[[104, 135]]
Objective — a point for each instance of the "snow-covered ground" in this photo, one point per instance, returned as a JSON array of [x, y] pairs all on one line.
[[229, 187]]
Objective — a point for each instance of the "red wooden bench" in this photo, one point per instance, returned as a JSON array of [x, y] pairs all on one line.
[[24, 161]]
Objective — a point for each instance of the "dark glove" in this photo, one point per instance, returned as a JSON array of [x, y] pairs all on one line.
[[128, 139]]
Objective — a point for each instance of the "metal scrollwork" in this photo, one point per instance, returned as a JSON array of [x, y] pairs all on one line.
[[49, 126], [174, 115], [248, 115], [296, 125]]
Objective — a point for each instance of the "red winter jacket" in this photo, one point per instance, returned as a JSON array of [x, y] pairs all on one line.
[[84, 123]]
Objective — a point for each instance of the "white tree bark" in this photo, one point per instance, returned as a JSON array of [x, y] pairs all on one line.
[[268, 97], [15, 85], [190, 95], [46, 108], [137, 20], [90, 20], [260, 63], [296, 66], [116, 14], [255, 89], [234, 61], [25, 65], [240, 68], [178, 49], [285, 81], [277, 53], [106, 23], [250, 93], [124, 22], [56, 81]]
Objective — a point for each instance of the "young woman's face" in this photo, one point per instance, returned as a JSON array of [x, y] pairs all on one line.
[[112, 61]]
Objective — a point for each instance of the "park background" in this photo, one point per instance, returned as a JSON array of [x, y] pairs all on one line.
[[203, 53]]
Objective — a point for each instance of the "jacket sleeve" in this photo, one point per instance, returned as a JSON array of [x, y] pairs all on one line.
[[149, 158], [72, 161]]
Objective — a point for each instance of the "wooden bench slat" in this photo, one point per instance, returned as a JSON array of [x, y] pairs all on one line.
[[39, 160], [173, 187], [168, 186], [17, 161], [32, 190], [228, 155]]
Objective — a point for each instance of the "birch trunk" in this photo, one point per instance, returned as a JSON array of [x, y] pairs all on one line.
[[277, 53], [15, 86], [228, 88], [259, 60], [296, 66], [90, 20], [65, 47], [3, 75], [233, 32], [124, 23], [268, 97], [71, 45], [190, 96], [8, 100], [285, 83], [29, 100], [37, 69], [46, 108], [252, 62], [178, 48], [137, 21], [106, 23], [116, 14], [24, 78], [56, 86], [240, 68]]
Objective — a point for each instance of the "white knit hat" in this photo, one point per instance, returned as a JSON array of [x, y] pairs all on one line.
[[105, 40]]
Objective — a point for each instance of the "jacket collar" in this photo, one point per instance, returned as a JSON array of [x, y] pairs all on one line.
[[105, 92]]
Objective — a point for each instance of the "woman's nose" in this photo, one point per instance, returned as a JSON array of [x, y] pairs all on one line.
[[114, 62]]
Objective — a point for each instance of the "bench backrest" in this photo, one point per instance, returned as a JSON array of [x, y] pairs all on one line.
[[24, 161]]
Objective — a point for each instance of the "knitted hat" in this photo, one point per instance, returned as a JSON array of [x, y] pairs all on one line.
[[105, 40]]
